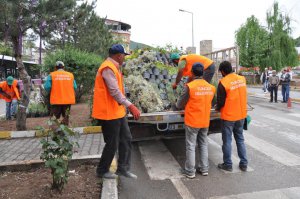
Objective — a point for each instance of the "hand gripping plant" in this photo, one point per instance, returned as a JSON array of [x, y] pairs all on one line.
[[58, 150]]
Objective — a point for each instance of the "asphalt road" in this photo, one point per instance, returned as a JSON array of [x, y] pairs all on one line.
[[273, 151]]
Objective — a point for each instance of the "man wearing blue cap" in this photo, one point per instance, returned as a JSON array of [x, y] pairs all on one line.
[[196, 101], [9, 91], [109, 109]]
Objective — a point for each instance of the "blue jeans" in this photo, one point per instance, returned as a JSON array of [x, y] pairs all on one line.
[[195, 136], [285, 89], [235, 127], [11, 108]]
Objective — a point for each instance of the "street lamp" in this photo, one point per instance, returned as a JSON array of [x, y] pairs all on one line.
[[192, 24]]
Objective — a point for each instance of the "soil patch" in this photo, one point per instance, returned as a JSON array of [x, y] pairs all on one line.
[[79, 117], [37, 184]]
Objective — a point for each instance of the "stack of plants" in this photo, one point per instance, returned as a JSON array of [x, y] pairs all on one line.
[[37, 106], [148, 80]]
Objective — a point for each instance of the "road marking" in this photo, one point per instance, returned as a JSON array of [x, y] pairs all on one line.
[[293, 192], [282, 120], [294, 114], [161, 165], [293, 137], [159, 162], [274, 152], [216, 156], [182, 189]]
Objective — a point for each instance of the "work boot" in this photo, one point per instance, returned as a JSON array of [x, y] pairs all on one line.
[[225, 167], [243, 167], [107, 175], [187, 174], [126, 174]]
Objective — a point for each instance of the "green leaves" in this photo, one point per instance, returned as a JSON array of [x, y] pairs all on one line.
[[58, 150], [267, 46]]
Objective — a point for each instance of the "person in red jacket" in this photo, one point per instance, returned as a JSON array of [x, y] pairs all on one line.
[[9, 91], [197, 99], [109, 110]]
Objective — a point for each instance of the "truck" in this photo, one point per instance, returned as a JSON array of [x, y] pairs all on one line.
[[167, 124]]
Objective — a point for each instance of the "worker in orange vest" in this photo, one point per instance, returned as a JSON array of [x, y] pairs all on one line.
[[109, 110], [10, 92], [232, 103], [197, 99], [185, 63], [61, 85]]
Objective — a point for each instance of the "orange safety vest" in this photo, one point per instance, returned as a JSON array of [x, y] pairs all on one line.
[[12, 91], [191, 59], [105, 107], [62, 88], [235, 107], [197, 109]]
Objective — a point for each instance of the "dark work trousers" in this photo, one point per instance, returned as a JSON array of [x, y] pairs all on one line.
[[209, 73], [273, 89], [117, 136], [61, 110]]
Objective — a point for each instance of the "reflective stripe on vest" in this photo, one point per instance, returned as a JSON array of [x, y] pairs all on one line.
[[12, 91], [105, 107], [197, 109], [62, 88], [191, 59], [235, 107]]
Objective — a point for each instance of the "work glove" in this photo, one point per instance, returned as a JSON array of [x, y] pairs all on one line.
[[134, 111], [174, 86]]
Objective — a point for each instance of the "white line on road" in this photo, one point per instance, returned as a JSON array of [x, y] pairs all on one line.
[[282, 120], [182, 189], [280, 155], [288, 193], [216, 156], [161, 165]]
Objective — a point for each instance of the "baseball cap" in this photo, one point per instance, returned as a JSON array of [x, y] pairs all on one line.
[[59, 63], [174, 56], [197, 69], [117, 48], [9, 80]]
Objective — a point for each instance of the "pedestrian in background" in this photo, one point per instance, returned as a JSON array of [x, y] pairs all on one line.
[[197, 99], [109, 109], [264, 80], [285, 80], [10, 92], [185, 63], [273, 84], [61, 85], [232, 103]]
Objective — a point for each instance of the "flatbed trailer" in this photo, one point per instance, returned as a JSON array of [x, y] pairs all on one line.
[[167, 124]]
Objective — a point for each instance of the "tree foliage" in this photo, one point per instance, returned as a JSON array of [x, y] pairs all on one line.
[[297, 42], [267, 46], [82, 64], [252, 41]]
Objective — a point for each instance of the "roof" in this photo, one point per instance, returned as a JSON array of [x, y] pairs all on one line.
[[9, 58]]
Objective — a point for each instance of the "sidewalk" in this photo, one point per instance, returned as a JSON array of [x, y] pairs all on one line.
[[24, 153], [256, 90]]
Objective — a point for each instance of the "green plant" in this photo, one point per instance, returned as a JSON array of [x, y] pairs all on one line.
[[58, 150]]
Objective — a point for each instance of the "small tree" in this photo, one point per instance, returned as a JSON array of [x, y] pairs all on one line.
[[57, 151]]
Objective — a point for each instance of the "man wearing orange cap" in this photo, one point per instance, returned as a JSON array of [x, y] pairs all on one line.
[[9, 91]]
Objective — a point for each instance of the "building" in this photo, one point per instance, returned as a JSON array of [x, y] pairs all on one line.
[[120, 31]]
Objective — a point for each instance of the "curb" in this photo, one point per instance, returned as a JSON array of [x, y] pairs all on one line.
[[294, 100], [38, 133]]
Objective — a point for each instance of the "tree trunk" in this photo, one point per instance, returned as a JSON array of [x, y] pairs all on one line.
[[26, 79]]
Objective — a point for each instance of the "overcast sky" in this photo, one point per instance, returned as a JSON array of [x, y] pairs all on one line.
[[159, 22]]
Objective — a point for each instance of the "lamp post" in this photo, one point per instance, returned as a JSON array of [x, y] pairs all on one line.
[[192, 24]]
